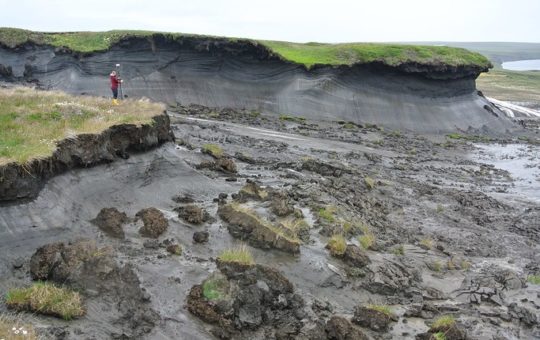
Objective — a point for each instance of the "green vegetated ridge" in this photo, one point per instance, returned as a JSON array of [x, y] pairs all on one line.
[[308, 54]]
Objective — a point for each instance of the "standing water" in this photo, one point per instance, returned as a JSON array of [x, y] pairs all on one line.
[[522, 65], [522, 161]]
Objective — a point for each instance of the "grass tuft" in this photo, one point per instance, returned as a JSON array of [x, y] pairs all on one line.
[[399, 250], [368, 239], [32, 121], [427, 243], [381, 308], [46, 298], [328, 213], [239, 254], [370, 182], [439, 336], [213, 150], [534, 279], [337, 245], [444, 322]]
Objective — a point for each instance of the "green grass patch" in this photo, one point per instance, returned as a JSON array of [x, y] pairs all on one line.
[[46, 298], [32, 122], [337, 245], [327, 213], [367, 241], [534, 279], [213, 150], [239, 254], [427, 243], [444, 322], [439, 336], [359, 53], [294, 119], [399, 250], [370, 182], [381, 308]]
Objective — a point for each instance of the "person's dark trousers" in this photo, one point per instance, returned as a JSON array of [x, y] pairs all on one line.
[[115, 93]]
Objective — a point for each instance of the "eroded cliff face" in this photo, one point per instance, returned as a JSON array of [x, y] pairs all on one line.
[[242, 74], [24, 181]]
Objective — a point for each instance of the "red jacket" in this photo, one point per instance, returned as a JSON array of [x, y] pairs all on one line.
[[114, 82]]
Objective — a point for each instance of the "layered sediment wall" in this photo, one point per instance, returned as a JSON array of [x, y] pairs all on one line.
[[20, 181], [219, 72]]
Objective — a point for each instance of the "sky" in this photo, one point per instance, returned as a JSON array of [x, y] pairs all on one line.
[[291, 20]]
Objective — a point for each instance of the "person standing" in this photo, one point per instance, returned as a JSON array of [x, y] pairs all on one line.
[[115, 82]]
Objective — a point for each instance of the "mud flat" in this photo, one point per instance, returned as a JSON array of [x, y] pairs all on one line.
[[451, 240]]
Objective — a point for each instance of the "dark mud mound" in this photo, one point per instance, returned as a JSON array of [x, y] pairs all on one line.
[[25, 181], [223, 73], [244, 298]]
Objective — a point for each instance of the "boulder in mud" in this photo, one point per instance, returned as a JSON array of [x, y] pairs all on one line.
[[154, 222], [371, 318], [110, 221], [339, 328], [192, 213], [245, 224]]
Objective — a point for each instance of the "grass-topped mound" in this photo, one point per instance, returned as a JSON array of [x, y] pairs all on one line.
[[240, 255], [362, 53], [46, 298], [305, 54], [32, 122]]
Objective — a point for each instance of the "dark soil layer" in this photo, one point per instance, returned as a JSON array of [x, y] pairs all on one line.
[[19, 181], [241, 74]]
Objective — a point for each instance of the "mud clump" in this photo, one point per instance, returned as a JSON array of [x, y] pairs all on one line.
[[252, 191], [154, 222], [281, 205], [355, 256], [174, 249], [246, 225], [110, 221], [56, 261], [200, 236], [339, 328], [192, 214], [371, 318], [95, 273], [243, 298], [225, 165]]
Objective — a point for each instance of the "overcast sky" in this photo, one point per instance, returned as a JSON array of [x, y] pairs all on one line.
[[292, 20]]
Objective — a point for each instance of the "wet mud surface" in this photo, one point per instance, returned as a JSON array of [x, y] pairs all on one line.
[[454, 229]]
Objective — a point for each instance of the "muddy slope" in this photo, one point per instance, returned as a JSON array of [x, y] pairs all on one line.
[[220, 73], [25, 181], [453, 235]]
